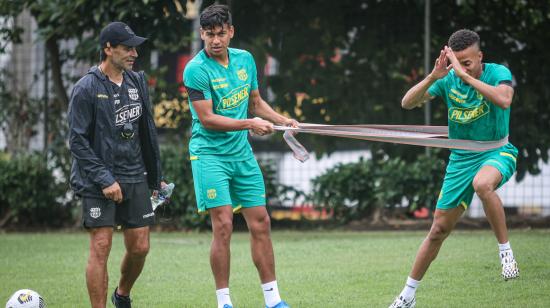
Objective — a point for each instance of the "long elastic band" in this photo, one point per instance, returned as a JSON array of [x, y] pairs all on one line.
[[429, 136]]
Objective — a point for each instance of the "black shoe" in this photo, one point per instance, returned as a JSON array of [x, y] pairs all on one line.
[[121, 301]]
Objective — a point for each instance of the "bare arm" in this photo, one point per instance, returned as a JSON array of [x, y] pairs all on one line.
[[500, 95], [258, 107], [418, 94], [213, 121]]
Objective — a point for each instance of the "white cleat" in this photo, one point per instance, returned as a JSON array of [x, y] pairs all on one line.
[[401, 302], [510, 268]]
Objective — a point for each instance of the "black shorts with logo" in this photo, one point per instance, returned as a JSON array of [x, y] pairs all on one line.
[[134, 211]]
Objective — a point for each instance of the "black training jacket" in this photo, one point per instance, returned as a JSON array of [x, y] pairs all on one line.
[[92, 134]]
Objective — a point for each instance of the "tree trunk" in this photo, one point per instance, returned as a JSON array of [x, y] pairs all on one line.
[[377, 216], [57, 77], [19, 128]]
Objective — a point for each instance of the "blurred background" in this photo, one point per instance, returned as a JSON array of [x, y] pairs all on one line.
[[336, 62]]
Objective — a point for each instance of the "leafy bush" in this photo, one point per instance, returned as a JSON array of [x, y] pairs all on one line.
[[277, 194], [30, 194], [355, 190], [182, 210]]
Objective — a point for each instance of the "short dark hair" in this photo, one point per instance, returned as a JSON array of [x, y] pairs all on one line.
[[463, 39], [216, 15], [102, 54]]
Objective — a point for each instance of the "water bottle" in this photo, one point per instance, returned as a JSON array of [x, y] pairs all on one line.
[[162, 195], [299, 151]]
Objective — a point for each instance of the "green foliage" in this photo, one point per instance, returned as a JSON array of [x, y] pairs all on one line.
[[381, 48], [162, 21], [9, 31], [354, 190], [30, 195], [182, 209], [277, 193], [19, 113]]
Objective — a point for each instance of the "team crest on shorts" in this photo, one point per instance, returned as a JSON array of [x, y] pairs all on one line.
[[95, 212], [242, 74], [211, 193]]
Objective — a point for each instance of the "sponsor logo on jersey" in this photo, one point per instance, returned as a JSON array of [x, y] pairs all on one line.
[[234, 98], [103, 96], [467, 115], [220, 86], [128, 114], [149, 215], [456, 96]]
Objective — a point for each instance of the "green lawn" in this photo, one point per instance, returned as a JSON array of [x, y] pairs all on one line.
[[315, 269]]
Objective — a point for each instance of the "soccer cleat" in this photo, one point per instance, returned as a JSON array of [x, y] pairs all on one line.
[[510, 268], [401, 302], [227, 306], [281, 304], [121, 301]]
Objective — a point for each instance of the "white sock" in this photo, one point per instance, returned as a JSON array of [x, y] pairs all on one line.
[[505, 250], [223, 297], [271, 293], [410, 288]]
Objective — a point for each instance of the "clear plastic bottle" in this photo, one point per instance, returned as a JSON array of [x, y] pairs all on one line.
[[299, 151], [162, 195]]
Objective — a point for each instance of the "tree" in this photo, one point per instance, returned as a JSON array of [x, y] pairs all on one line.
[[18, 115], [344, 62], [350, 62], [80, 21]]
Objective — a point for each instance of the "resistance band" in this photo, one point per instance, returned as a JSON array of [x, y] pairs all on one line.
[[429, 136]]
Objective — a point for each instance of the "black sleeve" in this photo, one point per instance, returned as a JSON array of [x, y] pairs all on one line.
[[195, 95], [81, 126], [506, 82]]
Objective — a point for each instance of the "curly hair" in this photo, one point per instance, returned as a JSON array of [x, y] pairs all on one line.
[[463, 39], [216, 15]]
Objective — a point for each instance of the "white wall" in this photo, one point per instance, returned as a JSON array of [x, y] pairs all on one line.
[[531, 196]]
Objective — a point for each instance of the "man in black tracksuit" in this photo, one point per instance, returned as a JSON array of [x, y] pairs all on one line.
[[116, 160]]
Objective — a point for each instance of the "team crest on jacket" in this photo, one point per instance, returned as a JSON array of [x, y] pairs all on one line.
[[242, 74], [133, 94]]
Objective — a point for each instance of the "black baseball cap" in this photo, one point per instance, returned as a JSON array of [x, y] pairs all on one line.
[[119, 33]]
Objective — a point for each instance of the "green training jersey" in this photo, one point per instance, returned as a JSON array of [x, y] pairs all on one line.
[[470, 115], [229, 89]]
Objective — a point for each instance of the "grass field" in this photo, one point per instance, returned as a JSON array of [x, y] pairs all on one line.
[[314, 269]]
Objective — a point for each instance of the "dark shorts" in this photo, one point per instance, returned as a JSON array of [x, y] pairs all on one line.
[[134, 211]]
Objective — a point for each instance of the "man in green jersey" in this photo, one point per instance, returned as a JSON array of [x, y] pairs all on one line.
[[223, 88], [478, 97]]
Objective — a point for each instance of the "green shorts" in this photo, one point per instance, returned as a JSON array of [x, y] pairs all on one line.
[[463, 166], [236, 183]]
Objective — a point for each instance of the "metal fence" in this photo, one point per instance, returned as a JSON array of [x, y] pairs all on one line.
[[530, 197]]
